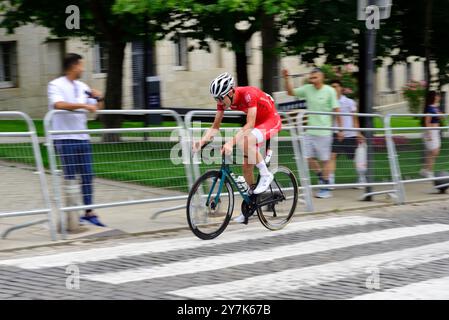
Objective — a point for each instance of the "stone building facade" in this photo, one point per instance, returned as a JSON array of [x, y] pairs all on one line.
[[31, 57]]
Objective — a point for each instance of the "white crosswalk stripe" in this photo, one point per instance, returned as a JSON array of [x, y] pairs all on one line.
[[135, 249], [247, 257], [433, 289], [295, 279], [405, 252]]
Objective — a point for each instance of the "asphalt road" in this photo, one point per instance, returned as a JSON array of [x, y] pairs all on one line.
[[386, 253]]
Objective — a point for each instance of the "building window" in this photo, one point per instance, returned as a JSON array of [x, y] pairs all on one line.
[[100, 58], [181, 52], [390, 77], [8, 65], [55, 57]]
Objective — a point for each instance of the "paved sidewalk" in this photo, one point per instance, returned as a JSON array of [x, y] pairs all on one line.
[[139, 219]]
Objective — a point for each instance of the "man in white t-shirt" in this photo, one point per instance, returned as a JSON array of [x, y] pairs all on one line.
[[75, 150], [351, 138]]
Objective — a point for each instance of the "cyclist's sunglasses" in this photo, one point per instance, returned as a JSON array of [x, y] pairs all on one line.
[[220, 99]]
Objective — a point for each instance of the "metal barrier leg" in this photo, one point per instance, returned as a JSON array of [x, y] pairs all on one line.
[[301, 166], [393, 193], [158, 212], [303, 169], [21, 226], [394, 164], [56, 180]]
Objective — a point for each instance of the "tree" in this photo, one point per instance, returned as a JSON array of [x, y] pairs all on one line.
[[220, 20], [330, 27], [98, 22], [273, 14]]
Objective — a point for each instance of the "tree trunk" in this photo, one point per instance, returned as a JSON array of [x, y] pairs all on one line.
[[113, 96], [442, 78], [242, 67], [270, 59], [427, 41], [361, 77]]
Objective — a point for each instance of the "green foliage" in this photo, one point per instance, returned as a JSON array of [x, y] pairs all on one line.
[[415, 92], [330, 27], [345, 75]]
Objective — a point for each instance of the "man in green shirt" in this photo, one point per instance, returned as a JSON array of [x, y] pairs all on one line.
[[318, 143]]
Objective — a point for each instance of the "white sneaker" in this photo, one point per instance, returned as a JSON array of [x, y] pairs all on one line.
[[426, 173], [240, 218], [264, 183], [362, 179], [331, 181]]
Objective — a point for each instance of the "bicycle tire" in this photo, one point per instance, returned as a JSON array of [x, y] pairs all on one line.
[[190, 214], [294, 186]]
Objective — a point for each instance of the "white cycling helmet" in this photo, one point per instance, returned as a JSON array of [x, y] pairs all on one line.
[[221, 85]]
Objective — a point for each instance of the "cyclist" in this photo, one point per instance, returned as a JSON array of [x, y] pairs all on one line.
[[262, 123]]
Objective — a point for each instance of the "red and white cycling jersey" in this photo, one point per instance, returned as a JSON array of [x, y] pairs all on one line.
[[268, 120]]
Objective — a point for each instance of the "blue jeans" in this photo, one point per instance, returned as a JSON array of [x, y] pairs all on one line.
[[76, 158]]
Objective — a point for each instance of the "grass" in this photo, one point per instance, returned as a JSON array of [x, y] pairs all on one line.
[[409, 157], [148, 162], [399, 122], [20, 126]]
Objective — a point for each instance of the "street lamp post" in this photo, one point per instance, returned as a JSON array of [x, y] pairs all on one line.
[[371, 11], [370, 54]]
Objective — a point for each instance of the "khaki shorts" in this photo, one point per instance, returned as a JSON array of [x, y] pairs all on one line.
[[318, 147]]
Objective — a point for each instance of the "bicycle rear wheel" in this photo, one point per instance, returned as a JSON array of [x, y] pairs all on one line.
[[207, 214], [284, 192]]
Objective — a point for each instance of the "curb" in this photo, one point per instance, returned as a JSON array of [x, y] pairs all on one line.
[[59, 243]]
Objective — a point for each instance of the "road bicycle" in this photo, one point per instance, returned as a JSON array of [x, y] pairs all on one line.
[[210, 204]]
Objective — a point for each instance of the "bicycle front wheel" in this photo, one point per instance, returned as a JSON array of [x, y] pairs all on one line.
[[280, 200], [210, 205]]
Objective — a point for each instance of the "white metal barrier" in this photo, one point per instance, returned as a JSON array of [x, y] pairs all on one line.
[[385, 162], [412, 153], [141, 161], [20, 160], [285, 145], [132, 170]]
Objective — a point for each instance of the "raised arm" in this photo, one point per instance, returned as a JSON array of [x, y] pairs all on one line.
[[287, 84]]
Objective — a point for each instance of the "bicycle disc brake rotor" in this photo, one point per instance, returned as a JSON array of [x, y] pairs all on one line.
[[213, 209]]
